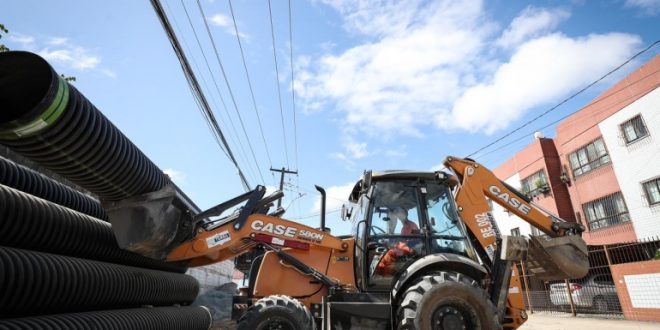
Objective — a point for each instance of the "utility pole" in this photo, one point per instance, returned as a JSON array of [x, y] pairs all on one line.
[[282, 172]]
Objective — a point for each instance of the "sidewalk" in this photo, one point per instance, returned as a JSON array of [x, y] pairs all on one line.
[[546, 321]]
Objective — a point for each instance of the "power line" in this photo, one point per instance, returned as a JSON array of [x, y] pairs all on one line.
[[231, 93], [277, 80], [599, 100], [565, 100], [217, 88], [247, 74], [194, 85], [293, 91]]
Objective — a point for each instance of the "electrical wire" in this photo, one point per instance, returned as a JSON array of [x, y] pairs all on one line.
[[231, 93], [194, 85], [217, 88], [572, 96], [293, 91], [247, 74], [277, 80]]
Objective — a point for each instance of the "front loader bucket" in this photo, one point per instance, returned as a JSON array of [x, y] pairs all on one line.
[[557, 258]]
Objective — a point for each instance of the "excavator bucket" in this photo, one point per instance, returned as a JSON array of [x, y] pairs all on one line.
[[557, 258]]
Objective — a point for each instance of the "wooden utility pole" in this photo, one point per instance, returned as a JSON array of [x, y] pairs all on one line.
[[282, 172]]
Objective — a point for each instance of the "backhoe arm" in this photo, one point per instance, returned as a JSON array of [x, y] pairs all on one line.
[[563, 256]]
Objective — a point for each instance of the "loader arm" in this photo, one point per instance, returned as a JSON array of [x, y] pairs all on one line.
[[219, 240], [231, 239]]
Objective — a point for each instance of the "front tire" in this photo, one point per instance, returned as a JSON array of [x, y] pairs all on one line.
[[447, 301], [276, 312]]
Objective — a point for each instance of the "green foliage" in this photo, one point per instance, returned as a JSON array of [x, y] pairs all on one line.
[[657, 255], [4, 30], [69, 79]]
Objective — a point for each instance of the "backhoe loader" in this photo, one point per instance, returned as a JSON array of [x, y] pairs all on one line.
[[425, 252]]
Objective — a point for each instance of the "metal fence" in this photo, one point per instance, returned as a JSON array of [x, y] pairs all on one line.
[[595, 293]]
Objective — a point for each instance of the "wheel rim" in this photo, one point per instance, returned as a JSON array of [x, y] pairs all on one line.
[[450, 317], [277, 323], [601, 305]]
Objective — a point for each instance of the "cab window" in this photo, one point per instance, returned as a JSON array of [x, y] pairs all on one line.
[[394, 236], [445, 229]]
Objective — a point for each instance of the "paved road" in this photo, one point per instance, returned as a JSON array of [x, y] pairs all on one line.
[[542, 321]]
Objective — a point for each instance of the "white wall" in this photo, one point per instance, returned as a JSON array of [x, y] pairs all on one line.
[[638, 161], [507, 221]]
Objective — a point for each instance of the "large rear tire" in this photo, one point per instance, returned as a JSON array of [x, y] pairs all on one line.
[[447, 301], [276, 312]]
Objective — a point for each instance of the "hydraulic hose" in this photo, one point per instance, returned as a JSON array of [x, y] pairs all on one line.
[[35, 283], [28, 222], [159, 318], [49, 121], [37, 184]]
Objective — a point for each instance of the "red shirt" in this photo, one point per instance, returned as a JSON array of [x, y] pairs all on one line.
[[409, 227]]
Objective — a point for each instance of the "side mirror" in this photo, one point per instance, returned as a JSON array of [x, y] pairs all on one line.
[[346, 212]]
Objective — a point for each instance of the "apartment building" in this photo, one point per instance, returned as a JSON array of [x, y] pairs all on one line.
[[603, 167]]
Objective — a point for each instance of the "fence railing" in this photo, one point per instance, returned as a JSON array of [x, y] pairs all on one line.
[[596, 293]]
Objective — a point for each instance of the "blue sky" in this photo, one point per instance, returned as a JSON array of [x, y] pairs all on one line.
[[378, 85]]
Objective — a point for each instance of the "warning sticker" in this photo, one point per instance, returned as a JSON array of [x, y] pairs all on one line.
[[218, 239]]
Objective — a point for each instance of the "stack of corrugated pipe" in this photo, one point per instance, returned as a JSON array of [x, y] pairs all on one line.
[[60, 265]]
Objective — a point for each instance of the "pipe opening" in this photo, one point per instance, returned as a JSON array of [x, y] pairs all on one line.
[[26, 80]]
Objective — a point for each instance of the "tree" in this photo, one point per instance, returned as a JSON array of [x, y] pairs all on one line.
[[4, 30]]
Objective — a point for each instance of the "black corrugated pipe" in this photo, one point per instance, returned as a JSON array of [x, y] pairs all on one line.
[[35, 283], [34, 183], [159, 318], [32, 223], [49, 121]]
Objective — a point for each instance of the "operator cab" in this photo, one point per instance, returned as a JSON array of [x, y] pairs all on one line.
[[399, 218]]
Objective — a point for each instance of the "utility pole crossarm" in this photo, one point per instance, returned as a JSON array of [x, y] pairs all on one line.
[[282, 171]]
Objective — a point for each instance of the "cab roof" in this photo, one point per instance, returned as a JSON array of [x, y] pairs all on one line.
[[395, 175]]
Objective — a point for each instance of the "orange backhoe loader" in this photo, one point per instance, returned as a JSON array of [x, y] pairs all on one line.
[[424, 253]]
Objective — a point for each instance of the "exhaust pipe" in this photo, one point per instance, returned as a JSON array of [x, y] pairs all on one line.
[[323, 198]]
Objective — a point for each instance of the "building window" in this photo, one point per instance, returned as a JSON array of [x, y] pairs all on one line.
[[652, 191], [606, 211], [634, 129], [589, 158], [515, 231], [535, 184]]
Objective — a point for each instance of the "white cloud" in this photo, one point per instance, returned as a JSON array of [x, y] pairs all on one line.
[[541, 71], [178, 177], [405, 75], [22, 39], [78, 58], [531, 22], [649, 7], [57, 41], [62, 53], [336, 197], [225, 22], [436, 65], [220, 20]]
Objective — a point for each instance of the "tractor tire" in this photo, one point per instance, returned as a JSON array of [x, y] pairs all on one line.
[[447, 301], [276, 312]]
